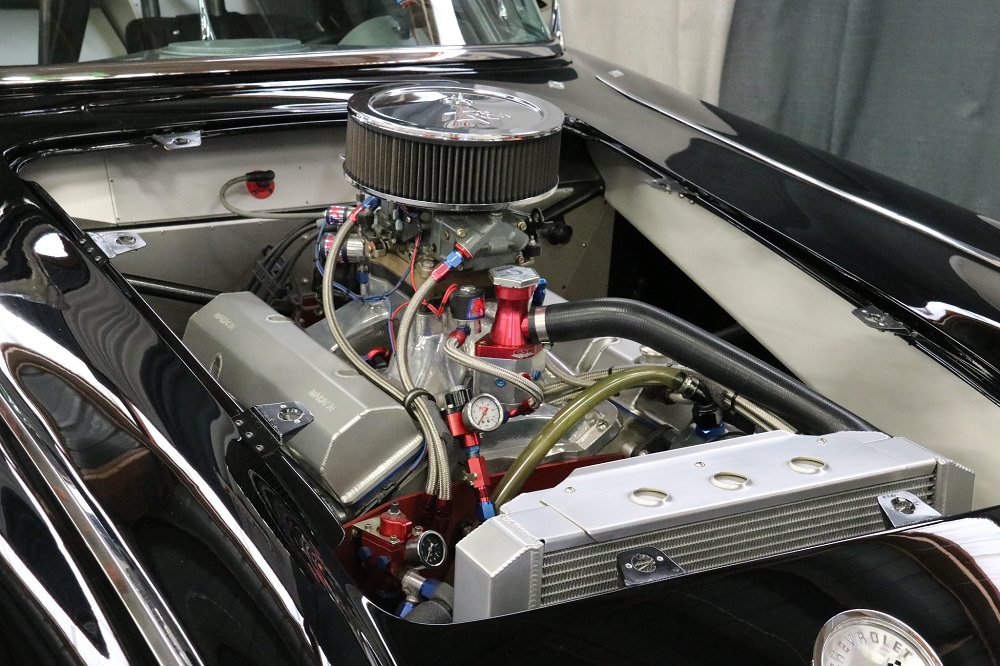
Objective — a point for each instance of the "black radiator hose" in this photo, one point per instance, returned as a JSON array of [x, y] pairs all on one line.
[[697, 349]]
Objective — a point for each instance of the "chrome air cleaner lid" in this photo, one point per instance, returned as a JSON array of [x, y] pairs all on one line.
[[451, 146]]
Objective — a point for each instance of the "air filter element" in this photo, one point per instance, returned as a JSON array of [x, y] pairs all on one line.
[[453, 147]]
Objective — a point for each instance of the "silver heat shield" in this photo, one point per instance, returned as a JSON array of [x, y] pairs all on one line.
[[707, 506], [360, 436]]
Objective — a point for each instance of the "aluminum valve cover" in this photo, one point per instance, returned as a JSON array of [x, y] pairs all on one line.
[[359, 437]]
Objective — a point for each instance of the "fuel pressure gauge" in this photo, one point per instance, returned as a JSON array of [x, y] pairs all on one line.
[[483, 413], [427, 549]]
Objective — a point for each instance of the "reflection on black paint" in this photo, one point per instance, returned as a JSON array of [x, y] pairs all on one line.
[[30, 538], [221, 617], [26, 637], [61, 306], [105, 447], [142, 497]]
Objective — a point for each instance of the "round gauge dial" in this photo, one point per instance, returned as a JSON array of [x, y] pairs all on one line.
[[483, 413], [429, 550]]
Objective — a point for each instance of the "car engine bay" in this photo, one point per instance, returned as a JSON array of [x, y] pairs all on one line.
[[490, 446]]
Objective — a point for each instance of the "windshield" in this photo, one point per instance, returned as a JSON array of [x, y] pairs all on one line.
[[40, 32]]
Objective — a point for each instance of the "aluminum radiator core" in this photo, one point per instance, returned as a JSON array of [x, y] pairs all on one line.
[[704, 507]]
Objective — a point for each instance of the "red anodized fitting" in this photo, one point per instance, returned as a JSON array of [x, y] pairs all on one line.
[[514, 286], [394, 523]]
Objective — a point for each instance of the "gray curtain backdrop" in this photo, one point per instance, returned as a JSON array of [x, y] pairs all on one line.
[[909, 88], [678, 42]]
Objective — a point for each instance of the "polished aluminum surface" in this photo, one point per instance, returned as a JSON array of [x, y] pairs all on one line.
[[588, 437]]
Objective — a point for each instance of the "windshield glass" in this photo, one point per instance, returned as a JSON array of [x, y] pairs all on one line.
[[42, 32]]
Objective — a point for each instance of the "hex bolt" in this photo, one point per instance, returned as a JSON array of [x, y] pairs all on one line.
[[259, 448], [460, 233], [522, 225]]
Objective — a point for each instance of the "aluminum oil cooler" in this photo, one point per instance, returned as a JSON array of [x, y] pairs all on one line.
[[703, 507]]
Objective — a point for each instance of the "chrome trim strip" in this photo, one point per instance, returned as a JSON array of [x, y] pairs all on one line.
[[98, 70], [784, 168]]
